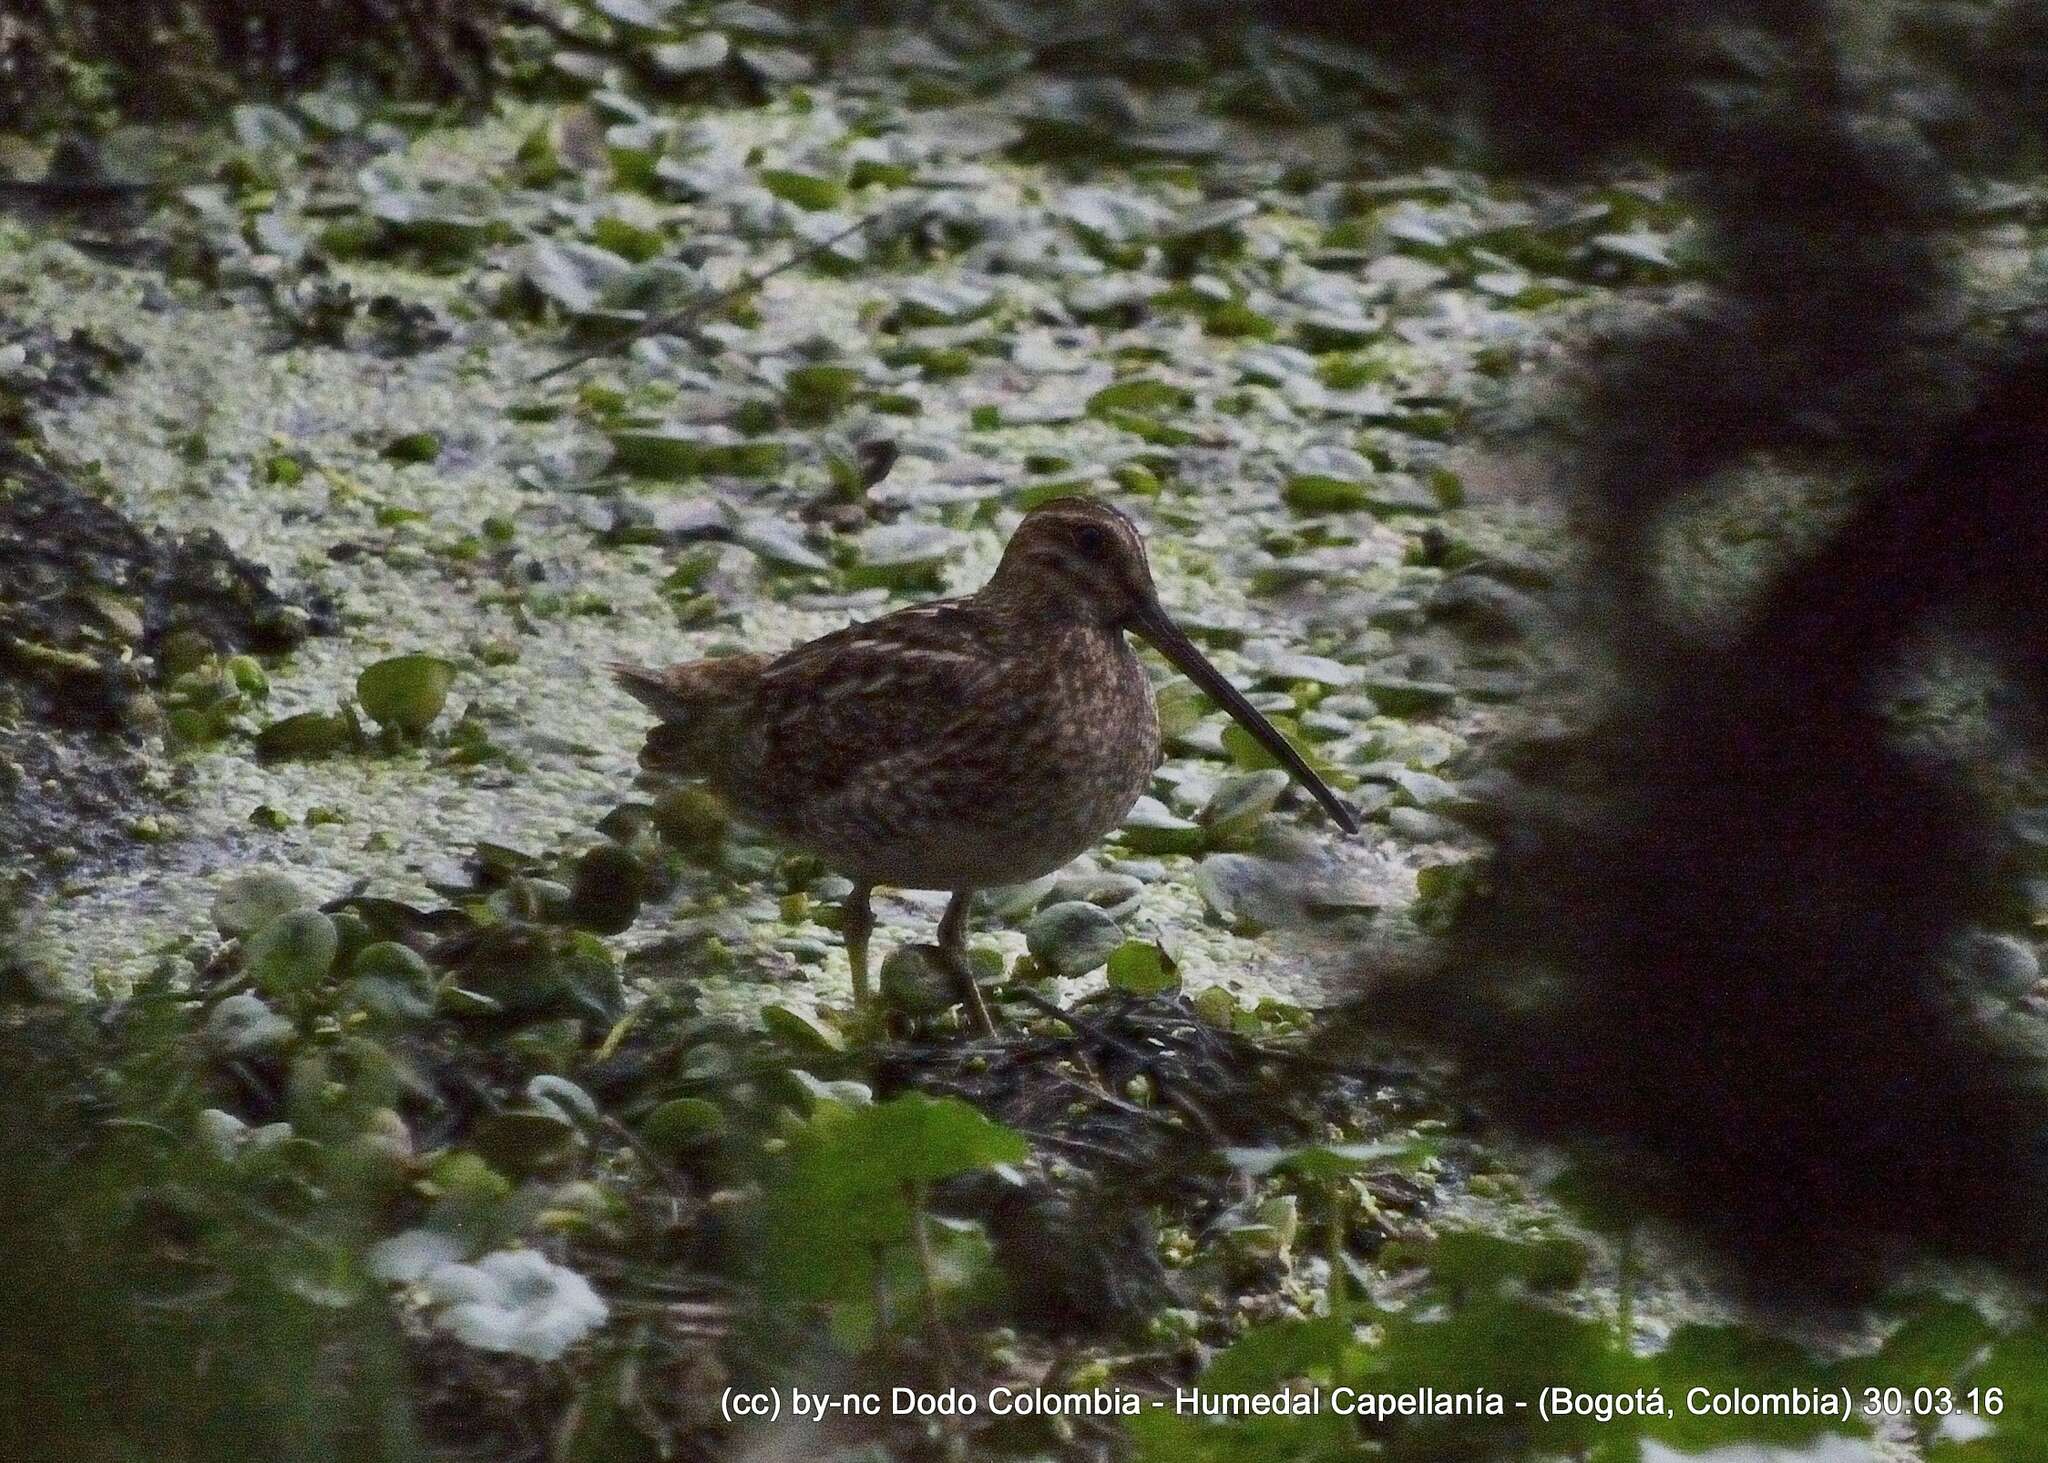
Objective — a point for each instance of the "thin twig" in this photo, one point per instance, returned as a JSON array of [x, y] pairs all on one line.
[[1081, 1024], [1193, 1111], [698, 308], [60, 190], [1287, 1056], [1099, 1092], [1077, 1145], [976, 1005]]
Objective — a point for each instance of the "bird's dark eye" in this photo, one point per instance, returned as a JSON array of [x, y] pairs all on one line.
[[1090, 539]]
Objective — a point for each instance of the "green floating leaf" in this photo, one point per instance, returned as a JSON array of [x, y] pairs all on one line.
[[293, 951], [523, 1142], [1235, 810], [406, 692], [916, 982], [938, 362], [1180, 709], [1142, 395], [1217, 1006], [778, 545], [627, 239], [303, 738], [1249, 752], [393, 981], [1150, 827], [572, 275], [691, 817], [819, 393], [1141, 968], [1309, 492], [1441, 891], [904, 556], [682, 1125], [606, 895], [843, 1199], [1402, 696], [1320, 1161], [413, 447], [1516, 1348], [805, 190], [1236, 320], [435, 224], [868, 171], [673, 454], [523, 969], [1072, 938], [961, 1264], [248, 901], [803, 1033], [1938, 1339], [1332, 330], [809, 1093], [1279, 1352], [1044, 490], [927, 301]]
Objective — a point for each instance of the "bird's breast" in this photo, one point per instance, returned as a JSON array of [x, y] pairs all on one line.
[[1086, 753], [1023, 783]]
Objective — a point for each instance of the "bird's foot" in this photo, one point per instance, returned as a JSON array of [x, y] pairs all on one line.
[[954, 960]]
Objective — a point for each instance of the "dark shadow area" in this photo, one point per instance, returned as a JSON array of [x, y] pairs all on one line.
[[97, 613], [1714, 933], [179, 58]]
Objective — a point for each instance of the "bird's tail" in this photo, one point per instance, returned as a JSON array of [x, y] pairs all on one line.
[[663, 692], [692, 687], [687, 698]]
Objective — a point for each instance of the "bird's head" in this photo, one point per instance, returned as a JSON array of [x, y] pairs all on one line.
[[1080, 559], [1076, 558]]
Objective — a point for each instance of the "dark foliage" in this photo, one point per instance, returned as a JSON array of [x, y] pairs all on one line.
[[180, 57], [87, 600], [1712, 937], [1082, 1229], [148, 1308]]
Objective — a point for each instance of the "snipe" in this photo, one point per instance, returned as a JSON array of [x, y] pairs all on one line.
[[955, 745]]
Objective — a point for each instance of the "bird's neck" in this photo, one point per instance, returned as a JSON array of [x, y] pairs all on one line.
[[1041, 607]]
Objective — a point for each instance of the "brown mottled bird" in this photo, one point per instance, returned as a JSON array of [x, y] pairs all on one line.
[[955, 745]]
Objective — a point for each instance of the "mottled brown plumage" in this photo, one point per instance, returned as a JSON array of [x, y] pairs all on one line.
[[953, 745]]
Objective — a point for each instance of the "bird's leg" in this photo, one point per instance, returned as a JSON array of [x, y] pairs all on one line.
[[953, 951], [856, 923]]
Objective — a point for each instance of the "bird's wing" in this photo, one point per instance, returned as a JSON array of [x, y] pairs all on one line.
[[832, 710]]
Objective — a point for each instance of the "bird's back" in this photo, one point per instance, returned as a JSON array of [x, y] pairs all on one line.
[[771, 732], [938, 742]]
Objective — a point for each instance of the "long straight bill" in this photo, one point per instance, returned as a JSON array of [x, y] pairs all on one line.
[[1167, 639]]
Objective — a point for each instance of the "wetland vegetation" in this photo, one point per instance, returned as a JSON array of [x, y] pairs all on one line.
[[395, 1072]]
